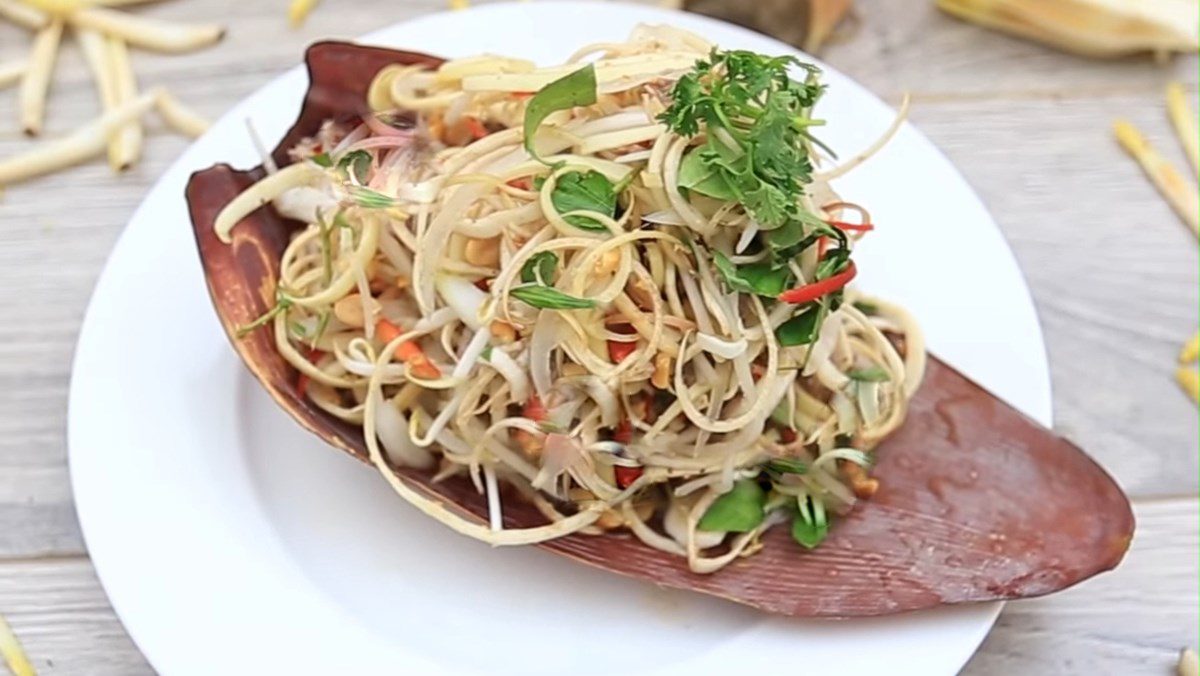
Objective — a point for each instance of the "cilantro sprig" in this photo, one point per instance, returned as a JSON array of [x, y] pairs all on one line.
[[756, 119]]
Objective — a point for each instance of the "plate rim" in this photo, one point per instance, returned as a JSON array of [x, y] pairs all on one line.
[[89, 321]]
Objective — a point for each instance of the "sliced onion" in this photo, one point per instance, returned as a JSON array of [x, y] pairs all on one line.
[[726, 349], [392, 429], [868, 403], [507, 367], [665, 217], [463, 297], [559, 454], [541, 344], [847, 416]]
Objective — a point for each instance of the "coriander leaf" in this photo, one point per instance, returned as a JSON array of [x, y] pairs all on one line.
[[871, 375], [810, 526], [357, 164], [695, 174], [758, 278], [739, 511], [801, 329], [539, 268], [547, 298], [584, 191], [576, 89]]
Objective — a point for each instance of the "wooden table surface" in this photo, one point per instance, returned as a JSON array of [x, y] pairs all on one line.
[[1113, 273]]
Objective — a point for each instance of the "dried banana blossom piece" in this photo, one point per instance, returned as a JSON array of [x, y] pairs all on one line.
[[1098, 28], [806, 24]]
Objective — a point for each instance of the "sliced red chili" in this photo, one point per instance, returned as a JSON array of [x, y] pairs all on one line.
[[483, 284], [787, 435], [521, 183], [533, 409], [618, 350], [625, 476], [811, 292], [623, 433], [475, 127]]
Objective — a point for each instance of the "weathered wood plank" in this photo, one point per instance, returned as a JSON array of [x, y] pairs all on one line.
[[1131, 621], [62, 618], [1112, 269]]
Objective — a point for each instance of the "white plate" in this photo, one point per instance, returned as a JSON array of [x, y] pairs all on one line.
[[230, 541]]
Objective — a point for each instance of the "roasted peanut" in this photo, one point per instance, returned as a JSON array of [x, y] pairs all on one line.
[[349, 310], [483, 252], [662, 371], [608, 262], [502, 331]]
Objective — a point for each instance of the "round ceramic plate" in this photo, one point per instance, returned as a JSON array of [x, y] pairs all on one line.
[[226, 537]]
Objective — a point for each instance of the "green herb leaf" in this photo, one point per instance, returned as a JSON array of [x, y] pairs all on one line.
[[867, 308], [540, 268], [547, 298], [696, 174], [871, 375], [356, 164], [810, 526], [787, 466], [322, 160], [584, 191], [739, 511], [759, 278], [575, 89], [801, 329], [370, 199], [486, 355]]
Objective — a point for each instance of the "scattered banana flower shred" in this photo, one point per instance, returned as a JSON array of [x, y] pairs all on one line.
[[299, 10], [1186, 374], [1189, 663], [1096, 28], [14, 655], [105, 35]]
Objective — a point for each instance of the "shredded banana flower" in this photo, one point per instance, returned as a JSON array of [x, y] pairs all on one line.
[[567, 326]]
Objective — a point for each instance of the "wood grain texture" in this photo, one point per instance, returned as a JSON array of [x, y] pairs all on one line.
[[1113, 272]]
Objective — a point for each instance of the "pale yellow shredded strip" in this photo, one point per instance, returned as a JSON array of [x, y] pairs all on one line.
[[23, 15], [1187, 127], [1189, 380], [1189, 663], [1191, 350], [1179, 192], [299, 10], [13, 654], [459, 4]]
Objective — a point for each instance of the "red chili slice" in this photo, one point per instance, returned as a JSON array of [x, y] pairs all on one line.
[[811, 292], [625, 476]]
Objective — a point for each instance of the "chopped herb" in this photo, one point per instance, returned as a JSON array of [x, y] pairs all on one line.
[[322, 160], [760, 278], [757, 118], [787, 466], [575, 89], [740, 510], [548, 298], [486, 355], [282, 303], [803, 328], [810, 526], [584, 191], [871, 375], [370, 199], [540, 268], [867, 308], [356, 164], [297, 329]]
